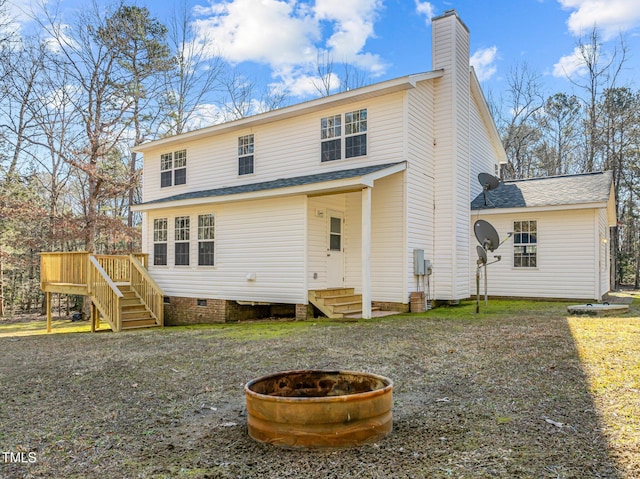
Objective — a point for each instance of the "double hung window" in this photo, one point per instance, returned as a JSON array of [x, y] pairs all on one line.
[[160, 241], [206, 238], [355, 130], [245, 154], [525, 244], [182, 240], [354, 135], [330, 133], [173, 168]]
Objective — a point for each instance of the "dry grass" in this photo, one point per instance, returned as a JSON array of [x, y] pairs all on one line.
[[519, 390]]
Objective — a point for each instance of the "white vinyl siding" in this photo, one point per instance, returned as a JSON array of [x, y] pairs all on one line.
[[566, 262], [213, 162], [482, 157], [604, 243], [452, 170], [420, 180], [265, 238], [387, 240]]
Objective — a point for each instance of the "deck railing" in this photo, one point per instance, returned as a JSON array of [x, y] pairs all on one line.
[[147, 289], [118, 267], [105, 294], [64, 268], [98, 275]]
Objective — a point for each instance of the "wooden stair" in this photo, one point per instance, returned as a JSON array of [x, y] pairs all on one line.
[[134, 313], [337, 303]]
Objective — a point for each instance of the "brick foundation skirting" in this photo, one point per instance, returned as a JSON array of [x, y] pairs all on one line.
[[390, 306], [180, 311]]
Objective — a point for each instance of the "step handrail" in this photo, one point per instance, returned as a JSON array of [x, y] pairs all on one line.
[[105, 294], [147, 289]]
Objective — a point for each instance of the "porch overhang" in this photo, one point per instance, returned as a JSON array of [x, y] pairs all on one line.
[[339, 181]]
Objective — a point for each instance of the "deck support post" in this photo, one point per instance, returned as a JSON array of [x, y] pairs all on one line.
[[366, 253], [94, 317], [48, 295]]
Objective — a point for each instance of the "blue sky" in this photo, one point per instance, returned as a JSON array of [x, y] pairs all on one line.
[[279, 40]]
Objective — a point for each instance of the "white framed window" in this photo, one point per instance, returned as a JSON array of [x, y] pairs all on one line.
[[246, 146], [160, 241], [350, 143], [525, 244], [173, 168], [331, 141], [181, 240], [355, 131], [206, 240]]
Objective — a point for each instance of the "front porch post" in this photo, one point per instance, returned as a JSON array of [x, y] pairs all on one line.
[[366, 253]]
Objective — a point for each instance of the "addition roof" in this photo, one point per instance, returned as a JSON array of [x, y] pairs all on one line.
[[319, 182], [582, 189]]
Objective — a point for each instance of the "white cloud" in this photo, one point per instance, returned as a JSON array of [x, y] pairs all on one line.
[[610, 16], [287, 35], [570, 65], [426, 9], [483, 62], [265, 31], [304, 85], [353, 23]]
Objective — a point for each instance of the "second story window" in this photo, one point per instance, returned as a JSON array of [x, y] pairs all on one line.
[[173, 168], [330, 133], [354, 135], [245, 155], [355, 131]]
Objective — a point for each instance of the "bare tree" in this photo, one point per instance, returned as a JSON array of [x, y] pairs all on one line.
[[100, 96], [328, 81], [192, 82], [516, 120], [559, 122], [602, 69], [22, 68]]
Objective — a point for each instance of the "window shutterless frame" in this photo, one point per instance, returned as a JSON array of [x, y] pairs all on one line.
[[246, 147], [173, 168], [525, 244], [160, 242], [343, 140]]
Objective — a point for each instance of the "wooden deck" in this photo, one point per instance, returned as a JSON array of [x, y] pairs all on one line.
[[120, 288]]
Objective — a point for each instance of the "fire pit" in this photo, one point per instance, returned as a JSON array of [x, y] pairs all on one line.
[[319, 409]]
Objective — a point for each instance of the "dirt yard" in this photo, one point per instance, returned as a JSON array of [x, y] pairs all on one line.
[[517, 391]]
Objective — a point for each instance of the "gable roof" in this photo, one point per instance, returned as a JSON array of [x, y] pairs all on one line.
[[582, 189], [326, 181]]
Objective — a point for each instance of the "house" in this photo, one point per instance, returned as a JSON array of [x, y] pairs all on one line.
[[337, 202], [560, 242], [331, 194]]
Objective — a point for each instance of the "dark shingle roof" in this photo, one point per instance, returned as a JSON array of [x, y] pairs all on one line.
[[274, 184], [548, 191]]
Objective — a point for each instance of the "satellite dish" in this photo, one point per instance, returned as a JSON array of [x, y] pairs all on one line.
[[482, 254], [488, 182], [487, 235]]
